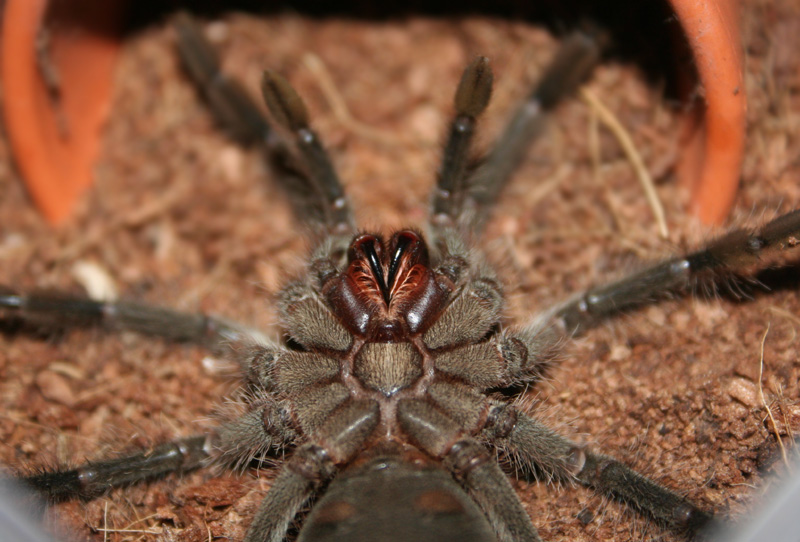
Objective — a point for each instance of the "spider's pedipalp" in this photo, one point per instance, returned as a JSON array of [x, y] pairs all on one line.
[[472, 97], [309, 179], [289, 110], [284, 103], [572, 65]]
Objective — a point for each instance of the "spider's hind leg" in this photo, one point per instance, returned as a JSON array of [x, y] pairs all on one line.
[[236, 442], [539, 451]]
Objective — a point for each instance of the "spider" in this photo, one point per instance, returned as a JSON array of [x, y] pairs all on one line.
[[378, 376]]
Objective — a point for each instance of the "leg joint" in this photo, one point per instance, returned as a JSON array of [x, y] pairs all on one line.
[[501, 421], [312, 462], [465, 456]]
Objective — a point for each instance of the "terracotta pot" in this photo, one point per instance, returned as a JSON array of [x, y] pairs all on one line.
[[715, 124], [54, 127], [55, 133]]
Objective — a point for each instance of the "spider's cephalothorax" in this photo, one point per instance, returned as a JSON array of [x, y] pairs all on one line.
[[389, 395], [396, 350]]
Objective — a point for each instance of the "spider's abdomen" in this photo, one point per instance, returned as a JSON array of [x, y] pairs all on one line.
[[391, 500]]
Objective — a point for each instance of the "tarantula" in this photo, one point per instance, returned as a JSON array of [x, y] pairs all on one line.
[[390, 392]]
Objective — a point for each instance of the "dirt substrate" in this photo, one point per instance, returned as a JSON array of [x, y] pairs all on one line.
[[180, 216]]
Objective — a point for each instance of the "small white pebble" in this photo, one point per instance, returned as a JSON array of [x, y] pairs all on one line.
[[620, 352], [11, 242], [96, 280]]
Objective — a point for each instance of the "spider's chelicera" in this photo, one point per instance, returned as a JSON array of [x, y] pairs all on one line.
[[389, 394]]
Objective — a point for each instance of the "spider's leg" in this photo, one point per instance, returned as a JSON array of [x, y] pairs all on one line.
[[234, 443], [64, 310], [342, 435], [540, 451], [289, 110], [299, 477], [97, 477], [736, 250], [233, 108], [464, 194], [572, 65], [507, 359], [472, 97], [262, 428], [309, 179], [489, 486], [438, 435]]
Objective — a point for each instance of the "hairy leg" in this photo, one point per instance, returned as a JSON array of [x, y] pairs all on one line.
[[96, 477], [538, 450], [298, 479], [489, 486], [465, 194], [308, 178], [733, 251], [63, 310]]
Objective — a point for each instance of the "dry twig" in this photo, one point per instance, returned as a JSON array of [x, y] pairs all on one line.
[[625, 140]]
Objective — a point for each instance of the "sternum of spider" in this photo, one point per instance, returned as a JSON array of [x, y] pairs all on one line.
[[388, 372]]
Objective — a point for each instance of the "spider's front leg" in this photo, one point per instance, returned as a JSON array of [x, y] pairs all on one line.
[[538, 450], [300, 164], [465, 194], [736, 250], [60, 310]]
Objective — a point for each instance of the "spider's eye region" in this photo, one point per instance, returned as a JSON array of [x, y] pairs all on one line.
[[388, 288]]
